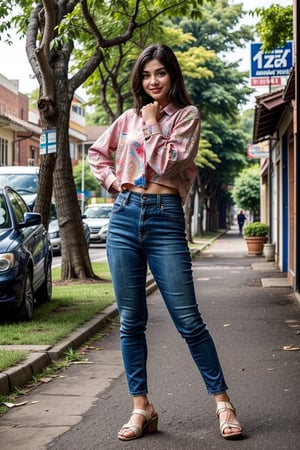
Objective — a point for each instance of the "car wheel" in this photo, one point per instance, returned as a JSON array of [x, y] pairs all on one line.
[[44, 293], [25, 313]]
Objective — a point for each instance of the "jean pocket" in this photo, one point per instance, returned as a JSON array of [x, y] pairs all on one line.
[[172, 212]]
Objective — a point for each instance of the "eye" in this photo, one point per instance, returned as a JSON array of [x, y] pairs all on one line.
[[162, 73], [145, 75]]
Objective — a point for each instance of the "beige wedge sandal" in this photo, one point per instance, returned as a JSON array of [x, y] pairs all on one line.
[[150, 425], [225, 406]]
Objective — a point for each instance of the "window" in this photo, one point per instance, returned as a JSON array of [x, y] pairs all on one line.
[[19, 206], [3, 152], [4, 216], [78, 110], [72, 150]]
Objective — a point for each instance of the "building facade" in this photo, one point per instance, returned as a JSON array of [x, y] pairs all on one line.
[[20, 127], [276, 121]]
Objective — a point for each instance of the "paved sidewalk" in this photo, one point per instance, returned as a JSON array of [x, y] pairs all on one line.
[[256, 330]]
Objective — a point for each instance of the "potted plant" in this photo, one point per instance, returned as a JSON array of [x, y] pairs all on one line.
[[255, 235]]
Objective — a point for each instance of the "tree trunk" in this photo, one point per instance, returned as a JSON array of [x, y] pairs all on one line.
[[75, 257], [45, 187], [188, 212]]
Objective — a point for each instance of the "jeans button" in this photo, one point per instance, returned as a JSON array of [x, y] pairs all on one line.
[[144, 197]]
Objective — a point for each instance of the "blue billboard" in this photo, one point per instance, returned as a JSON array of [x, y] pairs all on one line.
[[276, 63]]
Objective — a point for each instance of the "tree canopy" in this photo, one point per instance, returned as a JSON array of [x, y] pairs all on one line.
[[53, 29], [246, 191], [275, 26]]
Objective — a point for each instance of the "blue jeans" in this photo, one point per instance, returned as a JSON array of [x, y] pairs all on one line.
[[149, 229]]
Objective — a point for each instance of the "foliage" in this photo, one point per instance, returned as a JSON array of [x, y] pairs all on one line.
[[256, 229], [246, 191], [247, 120], [90, 182], [275, 27], [219, 97], [221, 32], [109, 86], [206, 157]]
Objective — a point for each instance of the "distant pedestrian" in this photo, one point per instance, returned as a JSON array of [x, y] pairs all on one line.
[[147, 157], [241, 218]]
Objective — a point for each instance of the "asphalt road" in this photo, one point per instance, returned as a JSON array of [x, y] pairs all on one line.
[[251, 325], [97, 253]]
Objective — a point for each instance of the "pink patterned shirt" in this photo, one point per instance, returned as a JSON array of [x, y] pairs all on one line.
[[162, 153]]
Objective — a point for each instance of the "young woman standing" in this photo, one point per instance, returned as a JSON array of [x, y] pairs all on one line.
[[147, 157]]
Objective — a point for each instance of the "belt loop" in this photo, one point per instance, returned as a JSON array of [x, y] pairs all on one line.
[[127, 197], [158, 200]]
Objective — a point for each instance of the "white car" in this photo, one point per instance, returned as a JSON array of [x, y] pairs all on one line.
[[54, 235], [97, 217]]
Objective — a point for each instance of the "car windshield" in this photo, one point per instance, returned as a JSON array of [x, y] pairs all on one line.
[[4, 216], [97, 213], [24, 183]]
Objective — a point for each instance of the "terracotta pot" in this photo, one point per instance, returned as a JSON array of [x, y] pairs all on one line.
[[255, 245]]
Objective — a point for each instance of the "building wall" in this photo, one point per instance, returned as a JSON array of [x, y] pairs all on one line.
[[292, 213], [24, 146], [8, 98]]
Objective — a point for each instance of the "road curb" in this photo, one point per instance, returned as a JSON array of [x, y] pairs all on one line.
[[21, 374]]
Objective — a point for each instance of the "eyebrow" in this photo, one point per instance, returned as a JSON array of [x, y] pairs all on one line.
[[156, 70]]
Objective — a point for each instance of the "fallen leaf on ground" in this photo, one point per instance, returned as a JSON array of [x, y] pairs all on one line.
[[46, 379], [81, 362], [291, 347], [11, 405]]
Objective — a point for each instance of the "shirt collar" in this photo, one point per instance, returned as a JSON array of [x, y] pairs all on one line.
[[170, 109]]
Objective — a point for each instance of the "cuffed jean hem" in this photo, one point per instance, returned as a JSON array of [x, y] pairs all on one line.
[[210, 392], [142, 394]]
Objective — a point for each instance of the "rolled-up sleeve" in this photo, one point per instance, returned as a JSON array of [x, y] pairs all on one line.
[[100, 157]]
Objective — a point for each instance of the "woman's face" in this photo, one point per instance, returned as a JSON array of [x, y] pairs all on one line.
[[156, 81]]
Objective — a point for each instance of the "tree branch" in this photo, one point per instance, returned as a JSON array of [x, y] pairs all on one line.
[[47, 24]]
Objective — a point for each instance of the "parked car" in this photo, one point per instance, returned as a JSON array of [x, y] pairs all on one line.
[[25, 258], [23, 179], [97, 217], [55, 239]]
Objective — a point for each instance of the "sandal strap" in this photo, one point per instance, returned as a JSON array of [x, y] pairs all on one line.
[[224, 406], [225, 425], [142, 412], [136, 429]]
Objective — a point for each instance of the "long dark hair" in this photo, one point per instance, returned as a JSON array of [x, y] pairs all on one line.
[[167, 58]]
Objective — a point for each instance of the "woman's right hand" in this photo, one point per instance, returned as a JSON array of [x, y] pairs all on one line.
[[116, 187], [150, 113]]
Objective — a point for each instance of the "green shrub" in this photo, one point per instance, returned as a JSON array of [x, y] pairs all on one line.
[[256, 229]]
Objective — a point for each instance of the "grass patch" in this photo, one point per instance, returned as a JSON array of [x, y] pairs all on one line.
[[9, 358], [71, 306], [207, 236]]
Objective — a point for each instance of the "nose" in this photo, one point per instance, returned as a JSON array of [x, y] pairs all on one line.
[[153, 79]]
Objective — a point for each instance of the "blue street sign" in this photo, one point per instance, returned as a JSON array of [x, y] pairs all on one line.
[[277, 63], [48, 141]]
